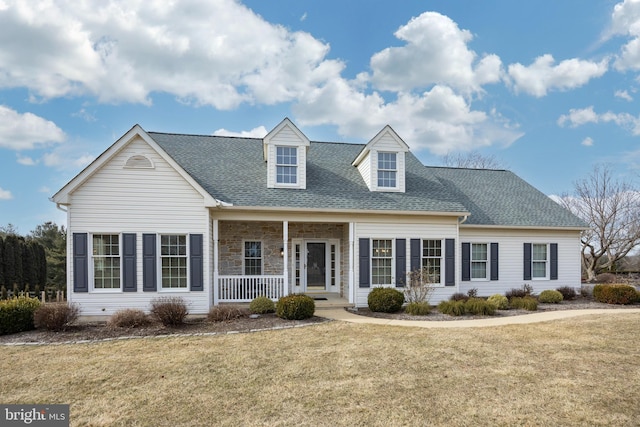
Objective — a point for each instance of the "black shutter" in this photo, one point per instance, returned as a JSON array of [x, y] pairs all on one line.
[[554, 261], [415, 254], [494, 261], [129, 273], [449, 262], [466, 262], [80, 263], [364, 263], [149, 269], [527, 261], [401, 262], [196, 262]]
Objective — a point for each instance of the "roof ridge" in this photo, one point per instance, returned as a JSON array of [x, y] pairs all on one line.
[[466, 168], [203, 135]]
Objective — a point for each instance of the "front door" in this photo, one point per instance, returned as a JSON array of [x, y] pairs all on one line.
[[316, 266]]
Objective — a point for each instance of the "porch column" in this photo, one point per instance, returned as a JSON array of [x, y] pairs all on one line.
[[285, 257], [352, 239], [216, 285]]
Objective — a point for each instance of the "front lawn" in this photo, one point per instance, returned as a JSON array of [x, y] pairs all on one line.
[[582, 371]]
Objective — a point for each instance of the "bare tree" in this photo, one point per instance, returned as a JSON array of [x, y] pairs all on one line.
[[472, 160], [611, 208]]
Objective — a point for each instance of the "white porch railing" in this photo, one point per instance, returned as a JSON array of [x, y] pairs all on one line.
[[246, 288]]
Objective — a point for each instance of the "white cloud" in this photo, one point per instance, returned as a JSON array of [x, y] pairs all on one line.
[[26, 131], [84, 115], [122, 51], [62, 159], [623, 94], [435, 52], [26, 160], [5, 194], [44, 189], [625, 20], [303, 17], [579, 117], [587, 142], [542, 76], [258, 132]]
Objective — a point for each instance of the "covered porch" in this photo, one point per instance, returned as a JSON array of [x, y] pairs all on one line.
[[275, 258]]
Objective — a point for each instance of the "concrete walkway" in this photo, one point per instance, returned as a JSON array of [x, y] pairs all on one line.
[[346, 316]]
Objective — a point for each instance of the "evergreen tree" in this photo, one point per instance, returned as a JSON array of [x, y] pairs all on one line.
[[54, 240], [9, 263], [2, 281]]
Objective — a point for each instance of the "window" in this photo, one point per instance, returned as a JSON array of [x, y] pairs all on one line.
[[387, 170], [106, 261], [286, 165], [173, 254], [539, 261], [479, 256], [381, 262], [432, 259], [252, 258]]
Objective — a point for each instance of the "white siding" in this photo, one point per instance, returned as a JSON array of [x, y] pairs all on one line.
[[388, 143], [365, 170], [511, 258], [405, 228], [118, 200]]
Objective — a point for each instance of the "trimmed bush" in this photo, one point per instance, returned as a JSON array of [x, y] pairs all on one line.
[[499, 301], [223, 313], [295, 307], [418, 308], [385, 300], [615, 294], [568, 293], [459, 296], [452, 308], [55, 316], [170, 311], [128, 318], [480, 307], [525, 291], [526, 303], [16, 315], [262, 305], [550, 297]]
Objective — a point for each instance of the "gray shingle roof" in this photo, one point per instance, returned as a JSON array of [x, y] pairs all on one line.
[[233, 170]]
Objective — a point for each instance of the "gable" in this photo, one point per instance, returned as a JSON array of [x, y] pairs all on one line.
[[381, 162], [285, 151]]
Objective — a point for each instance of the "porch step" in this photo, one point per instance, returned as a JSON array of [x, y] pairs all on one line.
[[328, 301]]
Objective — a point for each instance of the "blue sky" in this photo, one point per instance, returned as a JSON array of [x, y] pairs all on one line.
[[549, 88]]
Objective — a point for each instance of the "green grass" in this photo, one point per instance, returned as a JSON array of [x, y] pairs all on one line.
[[581, 371]]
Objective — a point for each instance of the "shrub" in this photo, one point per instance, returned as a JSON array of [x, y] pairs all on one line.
[[170, 311], [526, 303], [55, 316], [525, 291], [262, 305], [499, 301], [568, 293], [606, 278], [419, 286], [615, 294], [16, 315], [479, 306], [3, 293], [458, 296], [452, 308], [385, 300], [550, 297], [472, 293], [295, 307], [418, 308], [128, 318], [222, 313]]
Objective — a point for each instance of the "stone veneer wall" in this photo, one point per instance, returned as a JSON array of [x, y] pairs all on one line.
[[232, 234]]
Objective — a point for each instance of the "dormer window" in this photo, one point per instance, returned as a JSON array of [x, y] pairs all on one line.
[[286, 165], [387, 170]]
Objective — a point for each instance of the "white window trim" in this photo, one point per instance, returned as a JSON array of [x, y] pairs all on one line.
[[275, 171], [261, 256], [442, 259], [393, 263], [378, 170], [487, 262], [162, 289], [547, 274], [92, 282]]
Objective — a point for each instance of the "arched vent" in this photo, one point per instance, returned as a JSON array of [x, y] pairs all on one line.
[[138, 161]]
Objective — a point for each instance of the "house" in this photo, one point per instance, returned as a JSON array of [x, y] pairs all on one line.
[[223, 219]]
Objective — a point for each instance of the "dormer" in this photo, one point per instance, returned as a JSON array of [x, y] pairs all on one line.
[[382, 162], [285, 151]]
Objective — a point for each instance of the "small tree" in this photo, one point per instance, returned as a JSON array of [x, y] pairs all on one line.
[[472, 160], [419, 286]]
